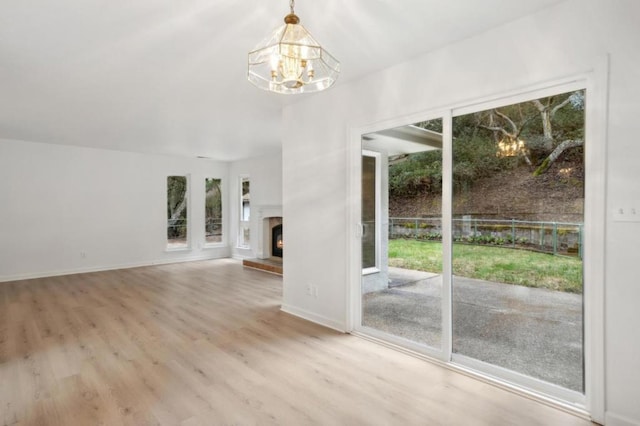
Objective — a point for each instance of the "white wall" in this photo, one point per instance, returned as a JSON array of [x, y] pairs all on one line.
[[265, 175], [561, 41], [60, 201]]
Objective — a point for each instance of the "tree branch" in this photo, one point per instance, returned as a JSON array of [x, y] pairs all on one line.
[[560, 105], [538, 105], [497, 129], [524, 124], [175, 215], [570, 143], [508, 120]]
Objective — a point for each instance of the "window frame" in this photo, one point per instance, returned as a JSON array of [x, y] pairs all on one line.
[[189, 239], [223, 233], [242, 222]]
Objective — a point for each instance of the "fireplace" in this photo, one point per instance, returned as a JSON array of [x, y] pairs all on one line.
[[273, 241], [269, 240], [268, 218], [276, 241]]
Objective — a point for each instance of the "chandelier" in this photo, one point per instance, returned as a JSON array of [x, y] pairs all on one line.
[[291, 61]]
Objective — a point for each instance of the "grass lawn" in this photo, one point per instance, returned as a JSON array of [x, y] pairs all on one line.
[[497, 264]]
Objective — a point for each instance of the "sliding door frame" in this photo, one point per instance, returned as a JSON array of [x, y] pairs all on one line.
[[595, 82], [354, 310]]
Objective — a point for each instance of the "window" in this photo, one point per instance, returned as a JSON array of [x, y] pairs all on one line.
[[213, 210], [177, 212], [518, 215], [244, 235]]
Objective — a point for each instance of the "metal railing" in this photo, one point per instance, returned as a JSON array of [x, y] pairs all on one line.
[[213, 227], [176, 229], [562, 238], [213, 231]]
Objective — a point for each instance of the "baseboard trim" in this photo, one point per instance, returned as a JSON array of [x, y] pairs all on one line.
[[240, 257], [21, 277], [315, 318], [613, 419]]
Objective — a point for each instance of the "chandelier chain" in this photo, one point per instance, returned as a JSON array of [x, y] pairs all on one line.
[[291, 4]]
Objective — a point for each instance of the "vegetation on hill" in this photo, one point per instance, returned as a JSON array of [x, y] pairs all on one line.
[[520, 161]]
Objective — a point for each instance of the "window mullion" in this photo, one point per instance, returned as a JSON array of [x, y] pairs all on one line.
[[447, 240]]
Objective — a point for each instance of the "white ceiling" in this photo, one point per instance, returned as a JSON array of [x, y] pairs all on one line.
[[167, 76]]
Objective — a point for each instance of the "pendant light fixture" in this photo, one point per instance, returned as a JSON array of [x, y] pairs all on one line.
[[291, 61]]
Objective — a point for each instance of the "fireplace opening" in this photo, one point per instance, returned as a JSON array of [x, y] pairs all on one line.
[[276, 241]]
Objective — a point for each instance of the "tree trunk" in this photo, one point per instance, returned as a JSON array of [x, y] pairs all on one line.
[[215, 190], [547, 129], [175, 214], [546, 124], [556, 153]]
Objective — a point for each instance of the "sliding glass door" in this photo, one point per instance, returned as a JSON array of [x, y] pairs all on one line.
[[512, 239], [518, 214]]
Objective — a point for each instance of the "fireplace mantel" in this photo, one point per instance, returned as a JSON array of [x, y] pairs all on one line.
[[263, 214]]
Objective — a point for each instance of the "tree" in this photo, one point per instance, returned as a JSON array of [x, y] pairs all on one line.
[[548, 113], [537, 132], [509, 123], [213, 204], [213, 199], [176, 204], [508, 140]]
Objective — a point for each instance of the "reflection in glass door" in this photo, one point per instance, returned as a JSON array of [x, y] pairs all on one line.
[[518, 213], [402, 233], [370, 210]]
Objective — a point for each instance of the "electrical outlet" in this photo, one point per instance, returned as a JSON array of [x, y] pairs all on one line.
[[83, 254], [312, 290]]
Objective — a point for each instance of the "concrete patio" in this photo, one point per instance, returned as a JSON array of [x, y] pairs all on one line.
[[536, 332]]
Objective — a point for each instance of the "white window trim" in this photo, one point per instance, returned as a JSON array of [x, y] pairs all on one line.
[[240, 222], [223, 238], [188, 247]]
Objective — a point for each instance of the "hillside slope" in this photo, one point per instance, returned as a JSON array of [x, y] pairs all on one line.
[[557, 195]]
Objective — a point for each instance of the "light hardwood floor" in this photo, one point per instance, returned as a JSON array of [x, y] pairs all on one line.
[[205, 343]]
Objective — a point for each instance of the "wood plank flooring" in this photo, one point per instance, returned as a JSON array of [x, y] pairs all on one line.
[[205, 343]]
